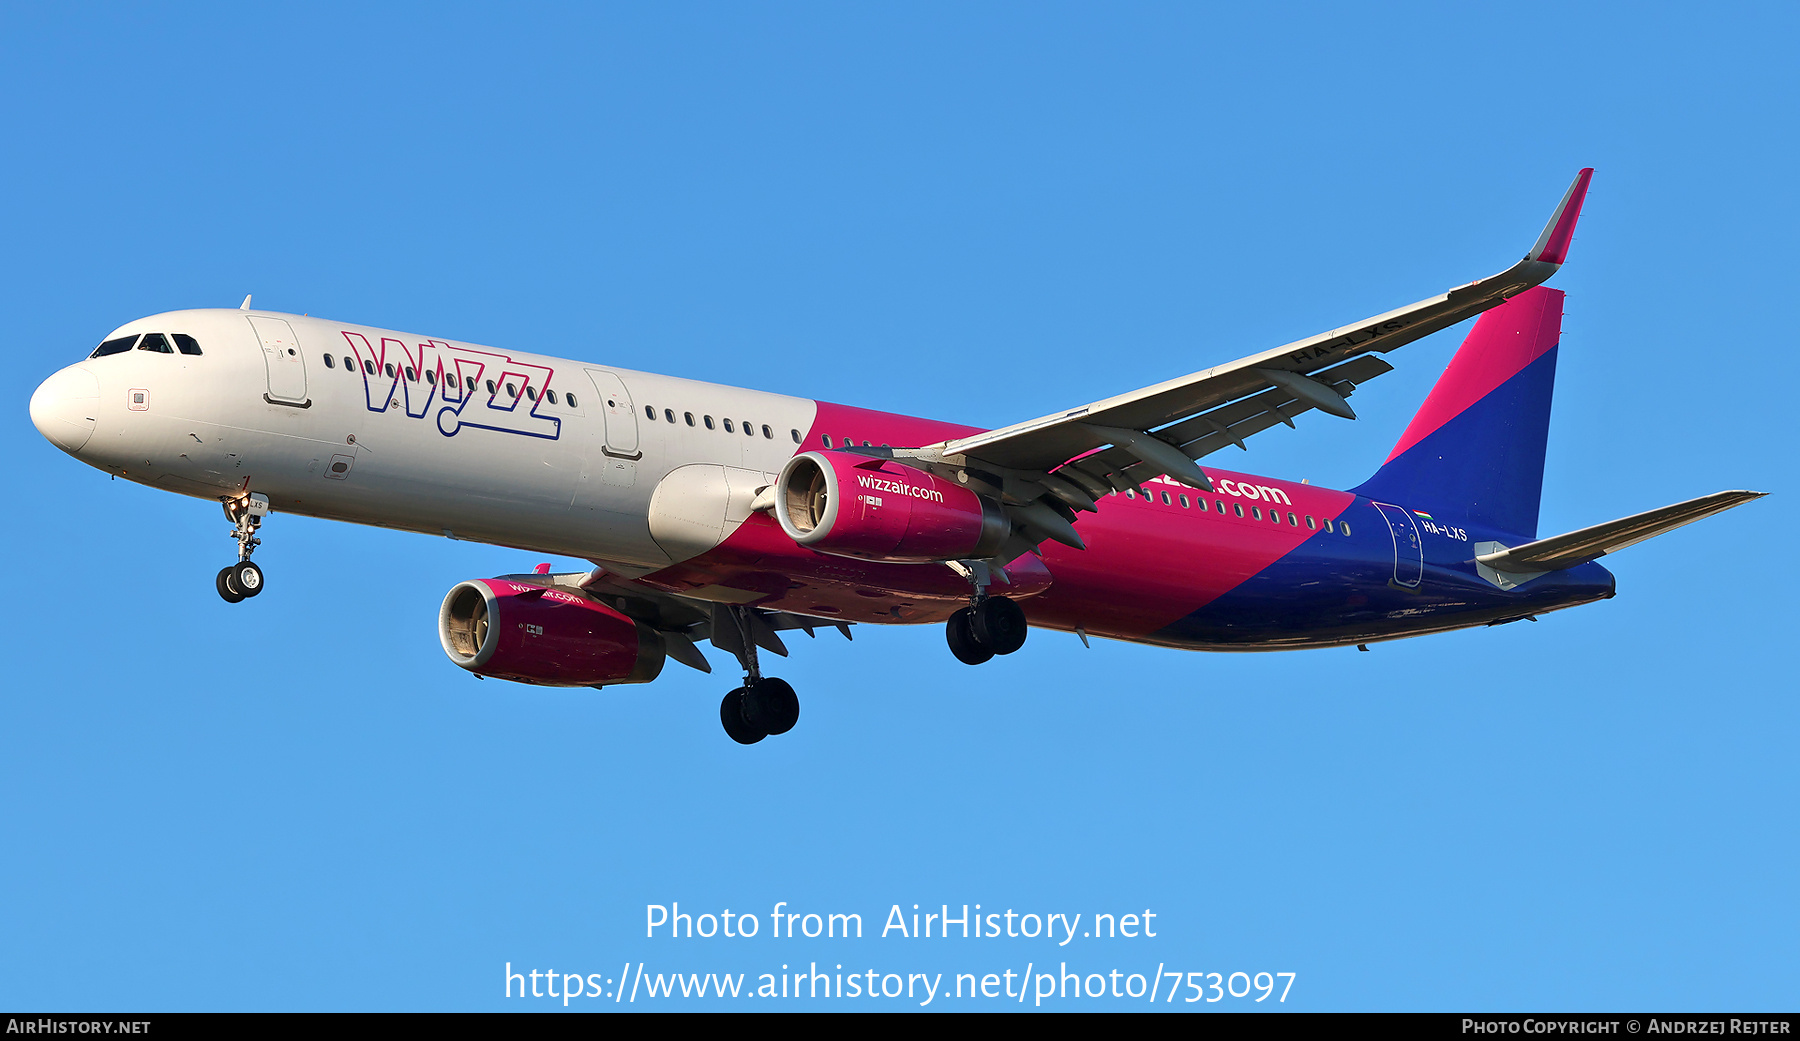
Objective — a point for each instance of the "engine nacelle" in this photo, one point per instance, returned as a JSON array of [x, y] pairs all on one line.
[[852, 505], [512, 631]]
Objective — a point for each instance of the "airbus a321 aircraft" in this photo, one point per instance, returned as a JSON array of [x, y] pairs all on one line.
[[716, 513]]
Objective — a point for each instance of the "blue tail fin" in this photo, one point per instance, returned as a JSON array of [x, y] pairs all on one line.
[[1475, 450]]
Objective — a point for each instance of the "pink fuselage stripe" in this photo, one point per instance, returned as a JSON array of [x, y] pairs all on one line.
[[1503, 342], [1147, 565]]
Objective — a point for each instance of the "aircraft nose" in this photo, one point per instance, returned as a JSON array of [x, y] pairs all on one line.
[[64, 407]]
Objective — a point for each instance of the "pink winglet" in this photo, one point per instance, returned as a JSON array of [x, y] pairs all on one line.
[[1553, 246], [543, 569]]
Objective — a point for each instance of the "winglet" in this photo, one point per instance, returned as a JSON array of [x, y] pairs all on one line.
[[1553, 245]]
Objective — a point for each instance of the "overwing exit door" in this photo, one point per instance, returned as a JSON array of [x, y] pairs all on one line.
[[1409, 549], [621, 415]]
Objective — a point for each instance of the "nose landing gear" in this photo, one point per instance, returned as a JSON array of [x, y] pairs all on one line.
[[243, 579]]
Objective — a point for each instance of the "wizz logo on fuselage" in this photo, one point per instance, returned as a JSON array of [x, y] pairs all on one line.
[[455, 381]]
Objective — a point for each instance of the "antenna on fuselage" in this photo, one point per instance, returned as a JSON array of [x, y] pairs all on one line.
[[245, 306]]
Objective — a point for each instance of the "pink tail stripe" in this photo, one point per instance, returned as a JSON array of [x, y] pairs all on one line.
[[1503, 342], [1553, 246]]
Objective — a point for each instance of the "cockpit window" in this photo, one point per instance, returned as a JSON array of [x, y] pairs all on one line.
[[156, 342], [118, 346], [187, 344]]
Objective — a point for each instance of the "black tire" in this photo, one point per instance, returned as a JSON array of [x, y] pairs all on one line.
[[731, 714], [961, 637], [999, 623], [771, 706], [247, 577], [227, 592]]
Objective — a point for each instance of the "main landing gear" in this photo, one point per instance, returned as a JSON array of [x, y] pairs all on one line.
[[990, 625], [243, 579], [758, 709], [764, 706]]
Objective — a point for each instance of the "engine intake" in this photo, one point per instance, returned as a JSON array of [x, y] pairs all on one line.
[[530, 634], [851, 505]]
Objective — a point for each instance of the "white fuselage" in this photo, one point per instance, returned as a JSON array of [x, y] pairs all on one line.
[[410, 435]]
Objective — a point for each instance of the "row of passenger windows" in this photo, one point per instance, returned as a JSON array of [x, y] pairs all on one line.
[[749, 428], [1237, 508], [155, 343], [431, 377]]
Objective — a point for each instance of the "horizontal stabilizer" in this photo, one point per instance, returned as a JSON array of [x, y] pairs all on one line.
[[1579, 547]]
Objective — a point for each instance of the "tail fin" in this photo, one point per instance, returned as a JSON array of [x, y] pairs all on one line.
[[1476, 448]]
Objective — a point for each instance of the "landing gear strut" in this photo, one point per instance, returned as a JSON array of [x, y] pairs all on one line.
[[764, 706], [243, 579], [990, 625]]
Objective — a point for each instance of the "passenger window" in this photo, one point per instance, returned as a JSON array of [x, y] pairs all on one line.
[[1238, 508], [1293, 520], [689, 416], [550, 396], [491, 388], [369, 367], [411, 376], [1165, 498], [1220, 503], [795, 434], [1184, 502], [1309, 522], [1129, 494], [572, 402], [1345, 528], [156, 342], [729, 429], [512, 390], [1328, 524], [770, 434], [471, 383], [390, 370], [118, 346], [650, 411], [329, 363], [1256, 513], [749, 431], [530, 394], [187, 344], [669, 415]]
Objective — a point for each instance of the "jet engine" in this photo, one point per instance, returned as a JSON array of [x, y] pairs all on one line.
[[531, 634], [852, 505]]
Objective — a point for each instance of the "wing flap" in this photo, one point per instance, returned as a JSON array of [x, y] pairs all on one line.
[[1227, 425]]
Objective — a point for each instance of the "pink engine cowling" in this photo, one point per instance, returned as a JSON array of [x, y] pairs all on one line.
[[852, 505], [514, 631]]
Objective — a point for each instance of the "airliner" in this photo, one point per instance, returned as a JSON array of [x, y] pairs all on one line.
[[715, 513]]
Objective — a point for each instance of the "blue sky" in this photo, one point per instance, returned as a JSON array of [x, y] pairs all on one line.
[[968, 212]]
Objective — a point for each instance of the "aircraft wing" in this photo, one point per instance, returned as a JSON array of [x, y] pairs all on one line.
[[1162, 429], [684, 621]]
